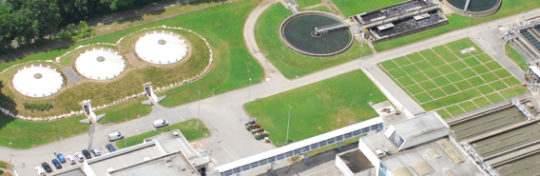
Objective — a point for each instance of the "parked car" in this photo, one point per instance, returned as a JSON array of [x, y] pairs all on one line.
[[95, 151], [86, 154], [56, 163], [115, 136], [60, 157], [79, 157], [160, 123], [40, 171], [46, 167], [71, 160], [110, 147]]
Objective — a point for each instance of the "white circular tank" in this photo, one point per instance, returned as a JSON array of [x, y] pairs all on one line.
[[161, 47], [38, 81], [100, 64]]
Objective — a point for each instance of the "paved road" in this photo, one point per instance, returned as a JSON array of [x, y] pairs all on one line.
[[224, 115]]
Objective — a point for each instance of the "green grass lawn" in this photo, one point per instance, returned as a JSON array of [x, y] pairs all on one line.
[[290, 63], [321, 8], [188, 129], [516, 57], [317, 108], [307, 3], [445, 80], [508, 8], [23, 134], [353, 7], [125, 111]]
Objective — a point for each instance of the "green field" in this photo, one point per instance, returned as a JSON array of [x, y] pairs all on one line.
[[353, 7], [188, 129], [307, 3], [321, 8], [317, 108], [508, 8], [516, 57], [125, 111], [445, 80], [23, 134], [290, 63]]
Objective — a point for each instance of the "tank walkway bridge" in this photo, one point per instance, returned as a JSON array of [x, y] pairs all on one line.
[[326, 29]]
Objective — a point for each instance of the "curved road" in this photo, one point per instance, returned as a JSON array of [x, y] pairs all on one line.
[[223, 114]]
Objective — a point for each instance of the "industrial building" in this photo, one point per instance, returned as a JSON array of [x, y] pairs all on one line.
[[502, 137], [400, 20], [418, 146], [168, 154]]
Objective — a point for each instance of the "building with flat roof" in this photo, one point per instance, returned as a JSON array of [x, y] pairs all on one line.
[[418, 146], [168, 154], [400, 19]]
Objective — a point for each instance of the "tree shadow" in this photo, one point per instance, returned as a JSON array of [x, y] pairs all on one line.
[[44, 45], [7, 103]]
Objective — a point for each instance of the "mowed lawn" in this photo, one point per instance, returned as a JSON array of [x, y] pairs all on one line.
[[188, 128], [516, 57], [353, 7], [307, 3], [290, 63], [23, 134], [508, 8], [317, 108], [450, 82]]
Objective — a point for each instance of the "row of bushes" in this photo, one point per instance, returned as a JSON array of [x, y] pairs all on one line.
[[38, 106]]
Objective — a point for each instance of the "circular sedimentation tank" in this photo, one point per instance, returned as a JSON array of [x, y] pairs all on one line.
[[475, 8], [297, 32]]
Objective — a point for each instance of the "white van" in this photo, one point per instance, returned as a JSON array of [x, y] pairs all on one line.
[[40, 171], [115, 136]]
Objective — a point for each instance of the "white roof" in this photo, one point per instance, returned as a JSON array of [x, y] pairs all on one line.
[[299, 144], [100, 64], [161, 47], [535, 70], [38, 81]]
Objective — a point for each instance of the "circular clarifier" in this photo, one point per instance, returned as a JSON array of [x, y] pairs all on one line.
[[478, 8], [298, 32]]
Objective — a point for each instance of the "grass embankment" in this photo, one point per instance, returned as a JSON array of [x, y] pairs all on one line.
[[508, 8], [307, 3], [317, 108], [129, 83], [516, 57], [290, 63], [125, 111], [23, 134], [450, 82], [188, 129], [350, 8]]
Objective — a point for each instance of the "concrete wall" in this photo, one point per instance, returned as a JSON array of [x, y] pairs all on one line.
[[340, 164]]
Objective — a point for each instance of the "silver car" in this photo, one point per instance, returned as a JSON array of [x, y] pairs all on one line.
[[160, 123]]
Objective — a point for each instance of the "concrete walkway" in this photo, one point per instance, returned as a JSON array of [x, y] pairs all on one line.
[[223, 114]]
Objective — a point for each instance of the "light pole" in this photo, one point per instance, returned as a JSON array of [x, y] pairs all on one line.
[[288, 123], [198, 110], [249, 93]]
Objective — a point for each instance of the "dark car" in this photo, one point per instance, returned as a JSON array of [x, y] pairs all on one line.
[[60, 157], [86, 154], [46, 166], [110, 147], [56, 163]]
